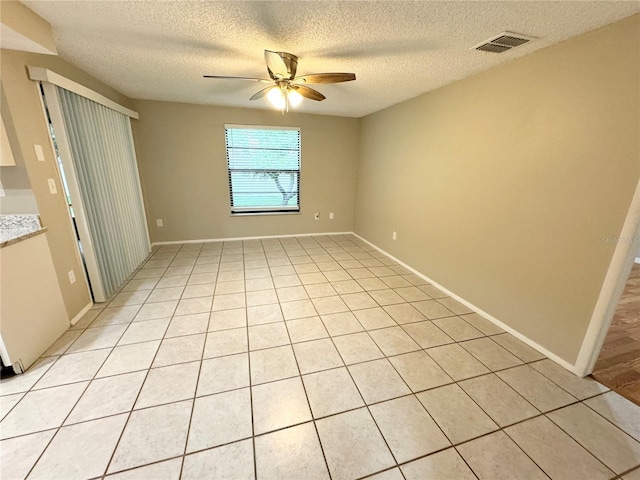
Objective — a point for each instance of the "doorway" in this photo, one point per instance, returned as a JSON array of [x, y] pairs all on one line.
[[613, 310], [618, 365], [67, 195]]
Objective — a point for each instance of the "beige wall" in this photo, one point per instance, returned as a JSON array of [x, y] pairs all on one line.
[[503, 186], [15, 179], [33, 30], [182, 159], [21, 103]]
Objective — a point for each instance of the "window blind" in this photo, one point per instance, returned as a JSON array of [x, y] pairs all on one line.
[[264, 168], [103, 164]]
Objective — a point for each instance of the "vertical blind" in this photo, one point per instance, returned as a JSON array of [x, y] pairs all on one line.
[[264, 168], [104, 160]]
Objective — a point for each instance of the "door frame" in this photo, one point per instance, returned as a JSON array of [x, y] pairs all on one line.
[[617, 275]]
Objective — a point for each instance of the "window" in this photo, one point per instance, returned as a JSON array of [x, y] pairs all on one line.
[[264, 168]]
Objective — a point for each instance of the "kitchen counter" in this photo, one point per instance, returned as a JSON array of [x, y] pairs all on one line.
[[15, 228]]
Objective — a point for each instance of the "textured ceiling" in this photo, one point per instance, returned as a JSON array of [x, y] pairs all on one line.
[[160, 50]]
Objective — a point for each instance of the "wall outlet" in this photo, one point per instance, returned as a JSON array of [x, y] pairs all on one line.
[[331, 216], [159, 222], [52, 186], [39, 152], [72, 277], [317, 216], [394, 236]]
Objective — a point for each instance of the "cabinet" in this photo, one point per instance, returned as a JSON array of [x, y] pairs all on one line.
[[32, 311]]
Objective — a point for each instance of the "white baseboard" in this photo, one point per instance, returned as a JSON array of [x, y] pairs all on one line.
[[234, 239], [81, 313], [480, 312]]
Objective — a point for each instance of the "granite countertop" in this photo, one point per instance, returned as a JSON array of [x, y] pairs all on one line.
[[15, 228]]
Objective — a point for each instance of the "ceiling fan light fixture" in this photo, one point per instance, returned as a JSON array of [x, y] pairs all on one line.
[[276, 98], [282, 97], [294, 97]]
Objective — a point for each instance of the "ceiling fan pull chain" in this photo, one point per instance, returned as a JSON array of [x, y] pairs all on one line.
[[284, 91]]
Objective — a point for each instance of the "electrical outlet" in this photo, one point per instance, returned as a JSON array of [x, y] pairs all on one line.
[[72, 277], [331, 216], [394, 236], [159, 222], [317, 216], [52, 186]]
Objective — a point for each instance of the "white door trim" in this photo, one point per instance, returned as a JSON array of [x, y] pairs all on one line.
[[614, 282]]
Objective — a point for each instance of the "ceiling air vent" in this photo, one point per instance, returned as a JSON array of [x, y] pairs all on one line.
[[503, 42], [492, 47]]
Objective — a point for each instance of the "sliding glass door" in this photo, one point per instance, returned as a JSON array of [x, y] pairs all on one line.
[[96, 148]]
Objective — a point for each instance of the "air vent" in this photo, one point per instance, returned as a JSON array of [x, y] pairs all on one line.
[[492, 47], [503, 42]]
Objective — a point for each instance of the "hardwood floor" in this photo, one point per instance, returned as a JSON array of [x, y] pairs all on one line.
[[618, 366]]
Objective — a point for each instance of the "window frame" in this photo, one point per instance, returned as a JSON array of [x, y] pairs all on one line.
[[263, 210]]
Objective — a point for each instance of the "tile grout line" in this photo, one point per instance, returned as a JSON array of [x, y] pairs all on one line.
[[365, 402], [195, 396], [130, 413], [57, 429], [578, 441], [306, 395], [414, 395], [253, 426]]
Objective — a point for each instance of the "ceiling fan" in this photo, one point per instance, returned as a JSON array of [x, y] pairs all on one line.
[[287, 88]]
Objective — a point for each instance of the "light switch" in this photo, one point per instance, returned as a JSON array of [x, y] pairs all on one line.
[[52, 186], [39, 152]]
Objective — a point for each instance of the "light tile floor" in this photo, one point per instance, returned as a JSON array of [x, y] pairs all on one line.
[[302, 358]]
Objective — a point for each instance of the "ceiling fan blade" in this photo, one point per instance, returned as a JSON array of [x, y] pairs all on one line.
[[326, 78], [262, 92], [224, 77], [309, 93], [276, 65]]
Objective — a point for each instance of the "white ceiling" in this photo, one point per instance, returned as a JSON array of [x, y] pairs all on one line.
[[159, 50]]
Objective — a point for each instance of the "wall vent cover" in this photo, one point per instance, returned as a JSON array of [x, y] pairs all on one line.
[[503, 42]]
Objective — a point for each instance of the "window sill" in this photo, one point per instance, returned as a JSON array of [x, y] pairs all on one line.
[[259, 214]]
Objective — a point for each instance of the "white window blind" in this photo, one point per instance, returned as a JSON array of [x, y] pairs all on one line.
[[264, 168]]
